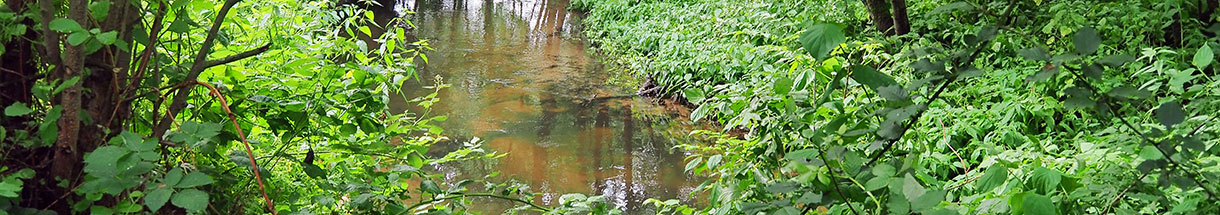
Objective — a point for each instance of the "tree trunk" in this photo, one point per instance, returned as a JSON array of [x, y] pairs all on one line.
[[901, 24], [879, 13]]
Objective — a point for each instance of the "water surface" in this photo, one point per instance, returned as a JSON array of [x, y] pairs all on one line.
[[523, 82]]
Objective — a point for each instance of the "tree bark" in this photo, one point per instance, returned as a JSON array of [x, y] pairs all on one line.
[[901, 24], [879, 13]]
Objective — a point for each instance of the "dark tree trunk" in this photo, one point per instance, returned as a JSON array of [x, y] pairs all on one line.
[[901, 24], [879, 13]]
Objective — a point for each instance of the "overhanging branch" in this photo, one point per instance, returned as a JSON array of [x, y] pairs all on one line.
[[236, 57]]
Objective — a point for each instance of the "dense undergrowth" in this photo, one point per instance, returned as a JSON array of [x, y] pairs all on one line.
[[986, 107], [125, 122]]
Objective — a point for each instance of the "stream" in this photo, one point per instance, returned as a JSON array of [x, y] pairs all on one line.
[[524, 82]]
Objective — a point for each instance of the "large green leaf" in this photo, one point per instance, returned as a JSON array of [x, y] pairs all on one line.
[[190, 199], [1036, 54], [694, 95], [104, 161], [820, 39], [430, 187], [17, 109], [1035, 204], [1086, 41], [1204, 56], [193, 180], [157, 198], [1170, 114], [995, 176], [1044, 180], [871, 77], [911, 187], [782, 86], [65, 25]]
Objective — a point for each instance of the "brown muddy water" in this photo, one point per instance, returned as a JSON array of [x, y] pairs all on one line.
[[523, 81]]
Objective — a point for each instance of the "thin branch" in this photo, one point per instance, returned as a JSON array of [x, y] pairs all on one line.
[[1120, 194], [835, 183], [236, 57], [179, 101]]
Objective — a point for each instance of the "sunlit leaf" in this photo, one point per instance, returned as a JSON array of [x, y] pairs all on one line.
[[1044, 180], [820, 39], [1035, 204], [995, 176], [1204, 56], [65, 25]]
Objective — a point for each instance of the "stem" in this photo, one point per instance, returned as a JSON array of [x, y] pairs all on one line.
[[249, 152]]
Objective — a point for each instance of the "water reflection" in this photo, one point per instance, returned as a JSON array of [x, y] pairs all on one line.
[[522, 81]]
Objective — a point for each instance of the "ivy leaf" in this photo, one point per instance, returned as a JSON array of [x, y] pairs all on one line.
[[1036, 204], [1045, 180], [1170, 114], [1204, 56], [872, 78], [995, 176], [17, 109], [820, 39], [1035, 54], [157, 198], [193, 180], [190, 199], [65, 25], [1086, 40]]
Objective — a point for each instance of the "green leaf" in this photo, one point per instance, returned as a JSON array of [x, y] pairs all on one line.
[[313, 171], [694, 95], [713, 161], [1150, 153], [1204, 56], [1035, 54], [77, 38], [911, 188], [157, 198], [820, 39], [871, 77], [415, 160], [1170, 114], [1116, 60], [877, 183], [1086, 40], [883, 170], [928, 200], [17, 109], [65, 25], [951, 7], [194, 179], [1045, 180], [804, 156], [100, 9], [173, 177], [104, 161], [191, 200], [693, 163], [108, 37], [430, 187], [782, 187], [782, 86], [995, 176], [1035, 204]]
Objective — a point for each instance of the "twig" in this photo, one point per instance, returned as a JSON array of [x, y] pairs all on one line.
[[239, 56], [200, 60], [249, 152], [835, 183], [1120, 194]]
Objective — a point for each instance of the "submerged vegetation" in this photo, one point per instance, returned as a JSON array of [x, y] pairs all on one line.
[[983, 107]]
